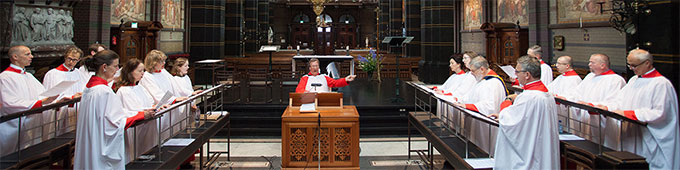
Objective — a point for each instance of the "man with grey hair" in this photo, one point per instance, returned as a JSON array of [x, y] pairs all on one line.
[[564, 83], [19, 91], [527, 124], [546, 72], [601, 84], [485, 97], [649, 97]]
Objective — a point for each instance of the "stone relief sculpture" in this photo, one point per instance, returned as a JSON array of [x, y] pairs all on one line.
[[38, 26]]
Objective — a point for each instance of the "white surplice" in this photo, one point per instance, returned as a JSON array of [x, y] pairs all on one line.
[[546, 73], [19, 92], [456, 85], [565, 84], [486, 96], [100, 131], [528, 135], [66, 115], [157, 84], [651, 99], [135, 99], [593, 89], [183, 87]]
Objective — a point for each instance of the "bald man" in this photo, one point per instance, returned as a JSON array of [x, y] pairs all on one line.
[[601, 84], [19, 91], [649, 97], [564, 83]]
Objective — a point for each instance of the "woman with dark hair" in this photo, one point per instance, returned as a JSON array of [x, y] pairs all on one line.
[[134, 99], [102, 121], [459, 82]]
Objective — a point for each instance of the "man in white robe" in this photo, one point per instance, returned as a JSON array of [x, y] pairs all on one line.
[[65, 72], [649, 97], [546, 71], [313, 77], [19, 91], [563, 84], [485, 97], [527, 135], [601, 84]]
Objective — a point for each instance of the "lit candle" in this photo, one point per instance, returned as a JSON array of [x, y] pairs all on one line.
[[348, 48], [298, 47], [580, 22]]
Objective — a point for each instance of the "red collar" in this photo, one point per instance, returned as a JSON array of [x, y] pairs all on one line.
[[461, 72], [570, 73], [96, 80], [608, 72], [310, 74], [12, 69], [652, 74], [63, 68], [157, 71], [542, 62], [536, 85], [491, 73]]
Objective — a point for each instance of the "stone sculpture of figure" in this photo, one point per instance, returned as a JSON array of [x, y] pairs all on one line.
[[21, 28], [50, 25], [69, 26], [61, 25], [38, 24]]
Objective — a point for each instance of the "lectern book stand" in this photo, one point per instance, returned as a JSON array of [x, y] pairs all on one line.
[[339, 134]]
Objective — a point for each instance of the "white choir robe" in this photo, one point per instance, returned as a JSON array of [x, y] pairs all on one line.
[[485, 97], [52, 78], [593, 89], [565, 84], [100, 131], [455, 86], [85, 74], [135, 99], [650, 99], [528, 133], [183, 87], [157, 84], [19, 91], [546, 73]]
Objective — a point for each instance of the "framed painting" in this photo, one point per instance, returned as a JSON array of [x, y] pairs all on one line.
[[576, 11], [473, 14], [512, 11], [172, 12], [127, 10]]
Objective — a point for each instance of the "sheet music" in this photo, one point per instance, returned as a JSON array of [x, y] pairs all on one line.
[[481, 163], [570, 137], [163, 100], [58, 89], [178, 142], [509, 70], [308, 107]]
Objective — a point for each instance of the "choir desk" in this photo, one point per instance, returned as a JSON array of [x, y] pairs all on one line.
[[339, 136]]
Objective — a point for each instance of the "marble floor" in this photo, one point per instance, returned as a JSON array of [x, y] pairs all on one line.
[[376, 153]]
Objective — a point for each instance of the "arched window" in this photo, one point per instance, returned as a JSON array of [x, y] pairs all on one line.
[[347, 18], [327, 18], [301, 18]]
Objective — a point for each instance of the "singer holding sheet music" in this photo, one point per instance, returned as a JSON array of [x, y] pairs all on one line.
[[316, 82]]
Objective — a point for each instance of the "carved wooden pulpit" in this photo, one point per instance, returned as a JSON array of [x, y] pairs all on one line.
[[505, 43], [339, 134]]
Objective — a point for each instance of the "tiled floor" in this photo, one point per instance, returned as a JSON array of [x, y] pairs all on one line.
[[376, 153]]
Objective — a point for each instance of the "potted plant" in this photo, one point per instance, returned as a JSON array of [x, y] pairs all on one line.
[[371, 64]]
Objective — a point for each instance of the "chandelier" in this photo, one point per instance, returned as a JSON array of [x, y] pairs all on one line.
[[318, 6], [624, 14]]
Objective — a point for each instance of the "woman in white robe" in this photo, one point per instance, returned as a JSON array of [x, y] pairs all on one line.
[[65, 72], [100, 137], [183, 86], [134, 99], [157, 81], [457, 84]]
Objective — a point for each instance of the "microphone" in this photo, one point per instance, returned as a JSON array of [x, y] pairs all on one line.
[[316, 85]]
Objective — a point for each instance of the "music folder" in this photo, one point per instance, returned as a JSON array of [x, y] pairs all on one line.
[[308, 101]]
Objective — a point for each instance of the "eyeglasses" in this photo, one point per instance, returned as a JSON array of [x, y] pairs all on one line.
[[633, 66], [72, 59], [519, 71]]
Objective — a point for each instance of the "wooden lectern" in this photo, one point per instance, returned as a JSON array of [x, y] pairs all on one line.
[[339, 134]]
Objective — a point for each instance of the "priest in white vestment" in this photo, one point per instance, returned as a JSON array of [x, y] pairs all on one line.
[[64, 72], [19, 91], [601, 84], [484, 97], [563, 84], [100, 131], [325, 83], [158, 81], [134, 99], [527, 134], [649, 97]]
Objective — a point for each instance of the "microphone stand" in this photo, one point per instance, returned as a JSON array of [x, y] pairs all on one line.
[[318, 136]]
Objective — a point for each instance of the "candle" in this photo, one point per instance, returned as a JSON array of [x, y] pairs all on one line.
[[580, 22], [348, 47], [298, 47]]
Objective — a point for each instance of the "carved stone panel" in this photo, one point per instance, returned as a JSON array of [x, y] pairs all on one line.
[[38, 25]]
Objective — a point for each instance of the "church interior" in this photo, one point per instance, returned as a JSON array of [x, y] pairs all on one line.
[[340, 84]]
